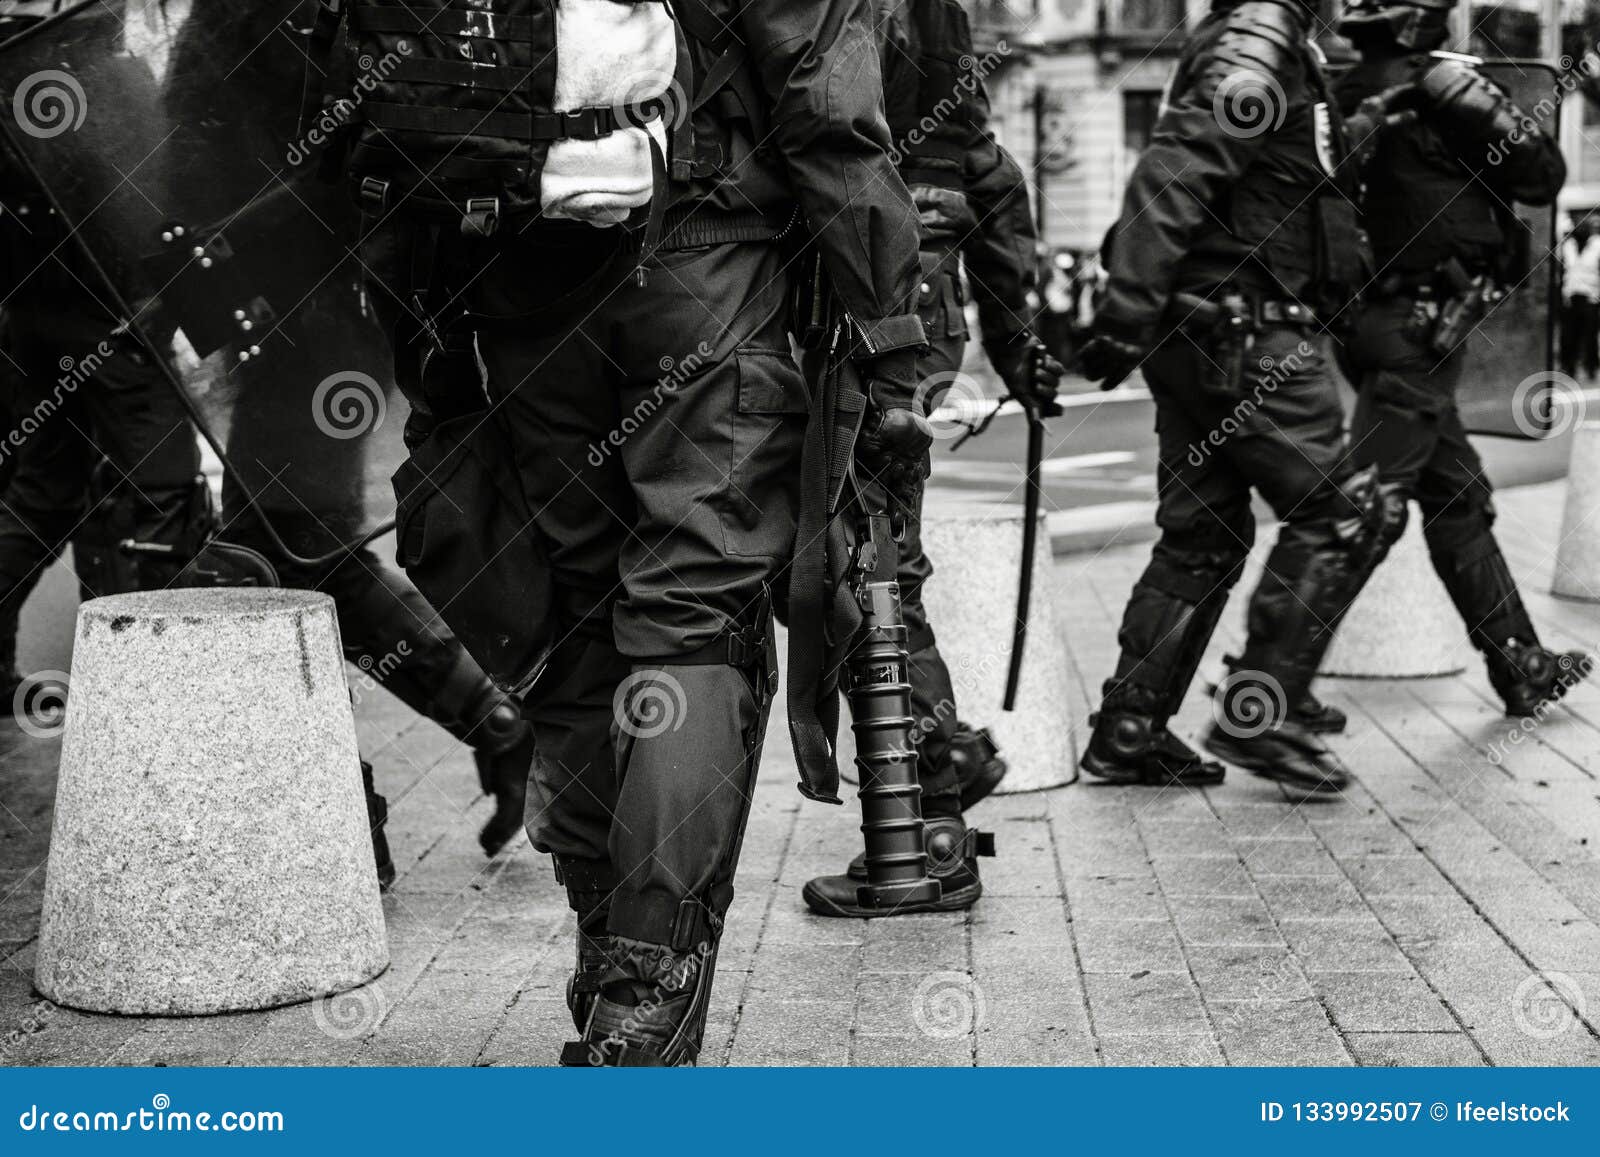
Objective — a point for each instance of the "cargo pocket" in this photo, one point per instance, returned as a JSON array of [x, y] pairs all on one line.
[[763, 491], [465, 537]]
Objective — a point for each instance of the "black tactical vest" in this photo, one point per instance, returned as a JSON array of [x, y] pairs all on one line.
[[1422, 205]]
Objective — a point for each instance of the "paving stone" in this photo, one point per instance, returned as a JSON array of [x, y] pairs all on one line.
[[1207, 837], [1144, 1002], [1400, 1049], [1402, 875], [1277, 1032], [1247, 973], [1311, 897], [1381, 1002], [1116, 897], [1203, 876], [1127, 945], [1219, 920], [1360, 944], [912, 1051], [1180, 1049]]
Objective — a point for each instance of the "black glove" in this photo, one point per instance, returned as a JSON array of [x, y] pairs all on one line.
[[1109, 360], [893, 452], [1376, 115], [1031, 374]]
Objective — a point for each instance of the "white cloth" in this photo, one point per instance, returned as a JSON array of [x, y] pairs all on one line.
[[1580, 268], [608, 55]]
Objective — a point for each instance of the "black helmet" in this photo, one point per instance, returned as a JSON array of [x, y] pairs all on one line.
[[1415, 24]]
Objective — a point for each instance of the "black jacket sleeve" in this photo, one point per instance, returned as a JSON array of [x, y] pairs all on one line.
[[1000, 258], [1492, 135], [1204, 140], [818, 62]]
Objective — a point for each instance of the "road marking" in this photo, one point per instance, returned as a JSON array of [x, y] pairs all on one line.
[[1010, 473], [977, 409]]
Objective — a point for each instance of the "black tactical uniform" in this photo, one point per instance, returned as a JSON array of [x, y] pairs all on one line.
[[1439, 195], [655, 417], [972, 200], [1237, 245]]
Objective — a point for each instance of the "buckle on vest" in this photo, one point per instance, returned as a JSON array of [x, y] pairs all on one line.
[[374, 191], [481, 218], [587, 124]]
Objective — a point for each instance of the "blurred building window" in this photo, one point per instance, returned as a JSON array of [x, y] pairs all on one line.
[[1161, 16], [1139, 111]]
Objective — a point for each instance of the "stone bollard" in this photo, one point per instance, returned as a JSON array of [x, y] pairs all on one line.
[[210, 850], [1578, 552], [976, 550], [1403, 624]]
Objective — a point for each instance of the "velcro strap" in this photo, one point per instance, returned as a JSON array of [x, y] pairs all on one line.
[[977, 844], [443, 23], [892, 333], [578, 1054]]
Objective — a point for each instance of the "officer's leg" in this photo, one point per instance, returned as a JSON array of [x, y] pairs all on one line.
[[1291, 446], [1206, 532], [1457, 506], [46, 466], [144, 490]]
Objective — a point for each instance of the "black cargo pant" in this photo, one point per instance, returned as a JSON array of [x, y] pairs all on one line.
[[1407, 426], [78, 395], [657, 430], [933, 696], [1279, 432]]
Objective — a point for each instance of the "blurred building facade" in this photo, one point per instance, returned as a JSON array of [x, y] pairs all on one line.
[[1076, 85]]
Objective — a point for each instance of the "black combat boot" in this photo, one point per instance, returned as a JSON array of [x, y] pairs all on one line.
[[1307, 710], [1252, 728], [1531, 679], [1129, 746], [953, 850], [377, 816], [650, 1011], [589, 884], [977, 761]]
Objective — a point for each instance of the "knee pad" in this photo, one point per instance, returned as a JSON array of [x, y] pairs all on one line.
[[1350, 512], [1197, 562], [1394, 513]]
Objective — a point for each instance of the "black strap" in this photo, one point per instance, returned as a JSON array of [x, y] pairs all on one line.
[[319, 57], [371, 17], [462, 74], [584, 124]]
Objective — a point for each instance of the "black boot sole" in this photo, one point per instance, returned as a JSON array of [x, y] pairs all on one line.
[[1558, 691], [956, 901], [1276, 772], [1123, 775], [1321, 725]]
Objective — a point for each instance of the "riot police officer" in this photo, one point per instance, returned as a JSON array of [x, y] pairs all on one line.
[[973, 203], [1439, 194], [653, 418], [1237, 245]]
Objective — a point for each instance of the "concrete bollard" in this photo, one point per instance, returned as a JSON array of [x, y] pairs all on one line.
[[1577, 574], [210, 850], [976, 550], [1403, 624]]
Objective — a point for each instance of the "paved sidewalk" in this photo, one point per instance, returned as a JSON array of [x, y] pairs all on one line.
[[1443, 912]]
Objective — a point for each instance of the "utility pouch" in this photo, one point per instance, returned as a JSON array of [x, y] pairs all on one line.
[[1344, 256]]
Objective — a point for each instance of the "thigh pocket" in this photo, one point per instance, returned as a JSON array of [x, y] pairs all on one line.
[[758, 514]]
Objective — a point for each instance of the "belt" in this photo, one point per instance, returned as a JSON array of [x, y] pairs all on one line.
[[1191, 311], [689, 227]]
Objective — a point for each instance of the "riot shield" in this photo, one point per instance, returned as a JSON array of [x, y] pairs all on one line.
[[161, 135], [1509, 387]]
